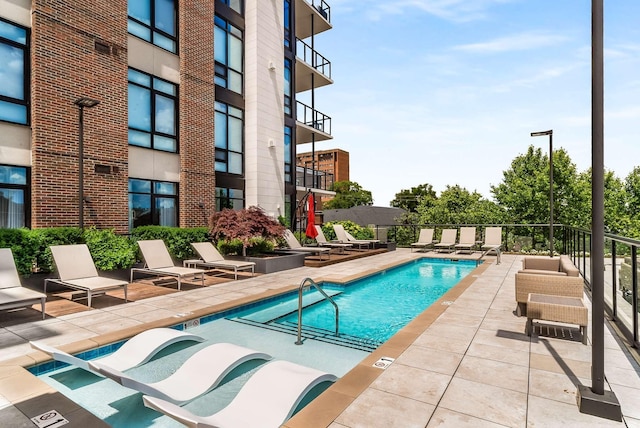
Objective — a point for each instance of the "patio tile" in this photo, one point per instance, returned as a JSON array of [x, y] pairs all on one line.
[[629, 399], [430, 359], [498, 405], [581, 369], [549, 413], [443, 418], [497, 353], [620, 376], [410, 382], [496, 373], [431, 339], [555, 386], [375, 408]]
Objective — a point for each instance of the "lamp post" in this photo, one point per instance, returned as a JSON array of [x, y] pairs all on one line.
[[550, 134], [82, 102]]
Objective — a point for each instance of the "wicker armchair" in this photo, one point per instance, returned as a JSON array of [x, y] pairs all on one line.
[[556, 277]]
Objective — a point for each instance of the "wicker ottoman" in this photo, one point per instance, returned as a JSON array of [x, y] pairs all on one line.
[[570, 310]]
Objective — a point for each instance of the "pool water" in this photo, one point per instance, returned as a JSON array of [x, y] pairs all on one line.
[[371, 309]]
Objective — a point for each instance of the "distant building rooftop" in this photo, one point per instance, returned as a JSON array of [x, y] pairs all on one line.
[[365, 215]]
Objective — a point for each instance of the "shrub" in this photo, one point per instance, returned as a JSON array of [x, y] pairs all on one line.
[[358, 232], [178, 240], [110, 251], [244, 225]]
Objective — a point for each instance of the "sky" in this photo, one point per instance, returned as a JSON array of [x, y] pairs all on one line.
[[447, 92]]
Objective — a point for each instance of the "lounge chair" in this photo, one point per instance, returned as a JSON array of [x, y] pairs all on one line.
[[211, 258], [425, 240], [12, 294], [492, 241], [467, 239], [134, 352], [76, 270], [447, 240], [322, 241], [267, 399], [200, 373], [158, 261], [294, 245], [345, 237]]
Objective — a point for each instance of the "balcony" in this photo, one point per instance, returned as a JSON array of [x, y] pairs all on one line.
[[312, 69], [312, 17], [312, 125], [308, 178]]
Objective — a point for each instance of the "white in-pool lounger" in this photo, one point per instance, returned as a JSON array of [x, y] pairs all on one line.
[[134, 352], [200, 373], [267, 400]]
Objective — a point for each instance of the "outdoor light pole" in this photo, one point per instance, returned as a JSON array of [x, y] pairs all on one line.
[[82, 103], [550, 134]]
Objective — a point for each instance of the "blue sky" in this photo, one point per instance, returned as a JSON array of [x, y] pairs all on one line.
[[447, 92]]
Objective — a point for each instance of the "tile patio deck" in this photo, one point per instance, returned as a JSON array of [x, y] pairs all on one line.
[[464, 362]]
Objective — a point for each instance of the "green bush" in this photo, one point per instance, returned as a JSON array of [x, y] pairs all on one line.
[[178, 240], [110, 251], [24, 245], [257, 245], [358, 232]]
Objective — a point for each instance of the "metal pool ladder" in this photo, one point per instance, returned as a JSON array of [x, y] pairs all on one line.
[[326, 296]]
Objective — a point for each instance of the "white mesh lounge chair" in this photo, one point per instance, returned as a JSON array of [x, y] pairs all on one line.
[[200, 373], [467, 239], [76, 270], [134, 352], [345, 237], [158, 261], [447, 240], [294, 245], [492, 241], [12, 294], [267, 399], [425, 240], [322, 241], [211, 258]]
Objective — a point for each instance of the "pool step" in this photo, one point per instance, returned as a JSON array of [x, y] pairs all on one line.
[[288, 307], [318, 334]]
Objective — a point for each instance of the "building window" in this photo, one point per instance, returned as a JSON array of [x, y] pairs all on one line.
[[228, 52], [229, 139], [235, 5], [152, 203], [287, 24], [288, 155], [14, 73], [14, 194], [287, 87], [229, 198], [154, 21], [153, 112]]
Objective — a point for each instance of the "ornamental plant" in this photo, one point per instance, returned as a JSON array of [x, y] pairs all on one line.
[[244, 225]]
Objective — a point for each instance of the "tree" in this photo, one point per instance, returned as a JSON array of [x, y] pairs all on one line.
[[409, 199], [456, 205], [348, 194]]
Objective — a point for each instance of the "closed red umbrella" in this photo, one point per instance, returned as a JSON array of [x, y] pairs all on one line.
[[311, 231]]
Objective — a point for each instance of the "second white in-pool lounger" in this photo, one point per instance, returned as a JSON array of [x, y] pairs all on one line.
[[267, 400], [199, 374], [134, 352]]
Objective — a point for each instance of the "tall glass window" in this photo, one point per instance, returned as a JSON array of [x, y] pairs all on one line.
[[287, 24], [154, 21], [228, 51], [229, 198], [229, 138], [288, 155], [13, 196], [236, 5], [287, 87], [152, 203], [14, 73], [153, 112]]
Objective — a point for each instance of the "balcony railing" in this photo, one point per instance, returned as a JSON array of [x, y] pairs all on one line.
[[622, 266], [314, 179], [313, 118], [313, 58], [323, 9]]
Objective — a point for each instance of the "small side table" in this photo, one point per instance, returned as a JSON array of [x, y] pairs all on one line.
[[191, 263], [570, 310]]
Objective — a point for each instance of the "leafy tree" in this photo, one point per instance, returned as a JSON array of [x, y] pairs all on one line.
[[616, 216], [348, 194], [409, 199], [632, 191], [457, 205], [244, 225]]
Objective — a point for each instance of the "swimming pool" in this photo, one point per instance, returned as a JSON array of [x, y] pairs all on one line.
[[411, 283]]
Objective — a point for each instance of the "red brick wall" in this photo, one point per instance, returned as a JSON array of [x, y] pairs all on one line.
[[65, 66], [197, 109]]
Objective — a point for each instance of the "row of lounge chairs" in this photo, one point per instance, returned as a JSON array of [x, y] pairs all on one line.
[[268, 398], [467, 242]]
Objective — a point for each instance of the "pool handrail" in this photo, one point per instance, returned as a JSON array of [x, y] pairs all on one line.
[[326, 296]]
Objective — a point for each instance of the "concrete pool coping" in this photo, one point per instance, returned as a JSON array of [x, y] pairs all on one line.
[[343, 404]]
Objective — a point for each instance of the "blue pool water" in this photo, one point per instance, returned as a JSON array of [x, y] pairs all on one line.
[[371, 311]]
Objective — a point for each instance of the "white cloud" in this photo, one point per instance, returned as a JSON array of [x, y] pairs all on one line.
[[514, 42]]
